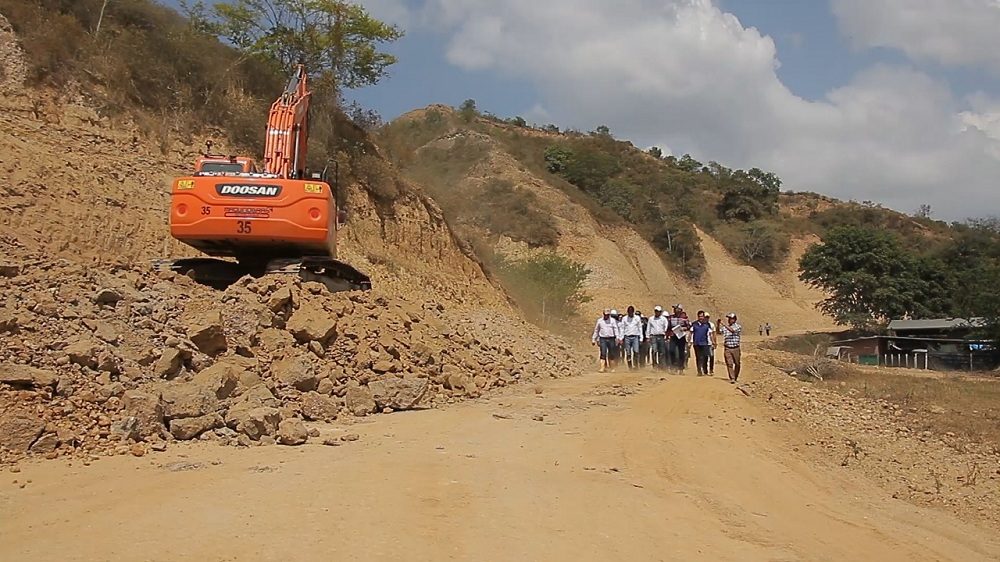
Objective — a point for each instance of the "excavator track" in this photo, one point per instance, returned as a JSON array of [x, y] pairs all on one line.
[[335, 275]]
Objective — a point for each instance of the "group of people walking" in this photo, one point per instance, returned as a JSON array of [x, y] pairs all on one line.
[[666, 340]]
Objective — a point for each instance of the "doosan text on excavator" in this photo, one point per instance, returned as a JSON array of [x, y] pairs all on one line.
[[275, 220]]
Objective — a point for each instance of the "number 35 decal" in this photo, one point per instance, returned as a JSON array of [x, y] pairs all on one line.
[[243, 227]]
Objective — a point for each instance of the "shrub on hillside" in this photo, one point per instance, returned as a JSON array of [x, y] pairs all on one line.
[[547, 287], [762, 244], [514, 212]]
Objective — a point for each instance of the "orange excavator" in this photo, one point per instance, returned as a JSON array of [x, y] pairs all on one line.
[[278, 219]]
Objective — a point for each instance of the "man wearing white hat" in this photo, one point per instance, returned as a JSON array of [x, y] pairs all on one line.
[[606, 333], [656, 330]]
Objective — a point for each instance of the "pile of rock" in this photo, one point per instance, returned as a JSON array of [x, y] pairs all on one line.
[[97, 362]]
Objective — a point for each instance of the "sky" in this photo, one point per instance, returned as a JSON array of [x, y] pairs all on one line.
[[892, 101]]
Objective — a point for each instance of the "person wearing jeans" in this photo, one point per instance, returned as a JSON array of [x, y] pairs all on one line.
[[656, 330], [701, 335], [631, 328], [607, 333]]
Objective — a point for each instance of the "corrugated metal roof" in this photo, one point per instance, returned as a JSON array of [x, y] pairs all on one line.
[[935, 324]]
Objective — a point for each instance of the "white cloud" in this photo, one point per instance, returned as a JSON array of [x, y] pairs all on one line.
[[395, 12], [683, 74], [951, 32]]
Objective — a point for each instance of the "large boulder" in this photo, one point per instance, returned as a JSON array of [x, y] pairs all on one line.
[[398, 393], [23, 375], [312, 323], [259, 422], [169, 363], [257, 397], [318, 407], [292, 432], [185, 400], [147, 412], [19, 427], [206, 332], [84, 351], [297, 372], [359, 399], [280, 300], [189, 428], [222, 378]]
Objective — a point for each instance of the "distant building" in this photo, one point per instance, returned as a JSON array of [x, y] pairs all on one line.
[[944, 344], [960, 328]]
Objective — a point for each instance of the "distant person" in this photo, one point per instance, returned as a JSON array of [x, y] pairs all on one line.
[[616, 351], [677, 342], [701, 335], [656, 329], [731, 332], [605, 335], [644, 344], [712, 343], [631, 328], [760, 330], [767, 329]]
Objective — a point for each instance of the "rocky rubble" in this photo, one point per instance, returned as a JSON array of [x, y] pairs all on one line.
[[97, 361], [891, 442]]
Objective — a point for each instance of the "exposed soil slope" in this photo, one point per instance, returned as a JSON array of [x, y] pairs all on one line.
[[624, 266]]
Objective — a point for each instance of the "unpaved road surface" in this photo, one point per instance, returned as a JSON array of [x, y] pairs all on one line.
[[672, 468]]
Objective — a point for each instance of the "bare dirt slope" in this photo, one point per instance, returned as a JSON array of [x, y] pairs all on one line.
[[626, 467], [624, 267]]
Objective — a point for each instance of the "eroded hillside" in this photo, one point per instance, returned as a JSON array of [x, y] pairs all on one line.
[[458, 164]]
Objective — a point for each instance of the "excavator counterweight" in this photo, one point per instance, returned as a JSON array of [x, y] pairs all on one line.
[[268, 221]]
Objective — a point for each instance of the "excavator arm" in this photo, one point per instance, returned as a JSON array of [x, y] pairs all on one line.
[[285, 147]]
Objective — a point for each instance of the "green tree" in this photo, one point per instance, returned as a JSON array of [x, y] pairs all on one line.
[[749, 196], [655, 152], [871, 278], [337, 41], [468, 110], [557, 158]]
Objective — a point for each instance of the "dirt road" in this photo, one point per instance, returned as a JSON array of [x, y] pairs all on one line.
[[651, 469]]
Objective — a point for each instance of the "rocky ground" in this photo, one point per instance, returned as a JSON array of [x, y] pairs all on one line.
[[125, 360], [899, 446]]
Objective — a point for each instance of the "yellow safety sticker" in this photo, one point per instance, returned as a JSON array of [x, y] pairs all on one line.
[[185, 184], [314, 188]]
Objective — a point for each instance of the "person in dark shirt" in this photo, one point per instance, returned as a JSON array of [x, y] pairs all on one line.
[[701, 332]]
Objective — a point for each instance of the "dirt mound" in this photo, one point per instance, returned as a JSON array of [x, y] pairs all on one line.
[[898, 443], [97, 362]]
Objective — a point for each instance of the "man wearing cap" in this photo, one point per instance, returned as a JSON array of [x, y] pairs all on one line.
[[606, 333], [631, 327], [731, 333], [656, 330], [677, 342]]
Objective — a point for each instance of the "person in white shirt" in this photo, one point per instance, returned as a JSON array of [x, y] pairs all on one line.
[[656, 331], [607, 334], [631, 328]]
